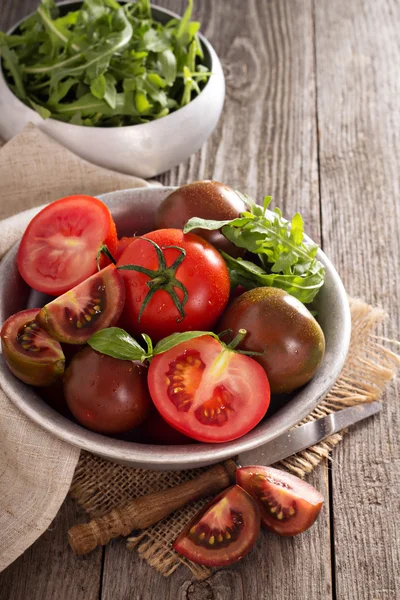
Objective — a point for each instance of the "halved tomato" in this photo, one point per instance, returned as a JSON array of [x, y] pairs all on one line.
[[30, 353], [207, 391], [288, 505], [223, 532], [90, 306], [60, 245]]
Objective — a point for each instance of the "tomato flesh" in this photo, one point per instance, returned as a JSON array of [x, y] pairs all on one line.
[[223, 532], [30, 353], [288, 505], [92, 305], [203, 273], [60, 245], [207, 391]]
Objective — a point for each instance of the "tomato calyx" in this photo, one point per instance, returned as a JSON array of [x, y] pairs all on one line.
[[163, 278]]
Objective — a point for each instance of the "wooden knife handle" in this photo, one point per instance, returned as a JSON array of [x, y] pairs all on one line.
[[147, 510]]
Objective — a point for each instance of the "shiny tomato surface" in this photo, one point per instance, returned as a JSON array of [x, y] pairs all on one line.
[[202, 273]]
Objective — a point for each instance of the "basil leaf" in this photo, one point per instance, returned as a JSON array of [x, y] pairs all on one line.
[[117, 343], [178, 338]]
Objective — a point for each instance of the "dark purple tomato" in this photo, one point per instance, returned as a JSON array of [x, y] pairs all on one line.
[[284, 329], [106, 394], [204, 199]]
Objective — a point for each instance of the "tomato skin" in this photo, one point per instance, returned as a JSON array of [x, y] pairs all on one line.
[[92, 305], [106, 394], [123, 243], [207, 200], [208, 392], [203, 272], [30, 353], [59, 247], [222, 532], [283, 327], [156, 430], [288, 505]]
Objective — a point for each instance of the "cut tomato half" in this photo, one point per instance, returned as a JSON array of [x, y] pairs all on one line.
[[207, 391], [30, 353], [223, 531], [288, 505], [90, 306], [60, 245]]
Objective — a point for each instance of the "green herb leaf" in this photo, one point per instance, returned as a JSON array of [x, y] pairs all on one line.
[[116, 55], [287, 260], [117, 343], [178, 338]]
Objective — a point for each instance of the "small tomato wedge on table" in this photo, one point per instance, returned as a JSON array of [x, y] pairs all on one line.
[[174, 282], [30, 353], [90, 306], [60, 245], [223, 532], [288, 505], [208, 391]]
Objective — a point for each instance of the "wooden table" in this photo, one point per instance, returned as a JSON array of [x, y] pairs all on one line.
[[312, 116]]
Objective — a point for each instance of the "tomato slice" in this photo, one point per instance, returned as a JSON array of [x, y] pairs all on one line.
[[223, 531], [288, 505], [30, 353], [208, 391], [60, 245], [90, 306]]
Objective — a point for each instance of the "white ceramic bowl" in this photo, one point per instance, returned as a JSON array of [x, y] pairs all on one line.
[[133, 210], [144, 150]]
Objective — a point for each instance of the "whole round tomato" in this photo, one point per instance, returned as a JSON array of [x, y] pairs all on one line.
[[179, 283], [106, 394], [208, 391], [207, 200], [281, 327], [60, 245]]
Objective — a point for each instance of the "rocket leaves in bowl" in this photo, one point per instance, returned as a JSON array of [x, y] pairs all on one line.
[[105, 63]]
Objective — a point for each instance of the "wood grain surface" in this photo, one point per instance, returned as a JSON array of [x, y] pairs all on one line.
[[311, 117]]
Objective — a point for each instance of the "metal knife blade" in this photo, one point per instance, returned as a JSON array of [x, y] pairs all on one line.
[[307, 435]]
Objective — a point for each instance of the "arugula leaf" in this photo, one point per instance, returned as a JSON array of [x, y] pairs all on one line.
[[287, 260], [108, 50]]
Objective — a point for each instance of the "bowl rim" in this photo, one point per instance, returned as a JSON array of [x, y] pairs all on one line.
[[215, 65], [176, 456]]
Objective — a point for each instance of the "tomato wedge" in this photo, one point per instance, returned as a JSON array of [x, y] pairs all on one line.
[[60, 245], [207, 391], [223, 531], [288, 505]]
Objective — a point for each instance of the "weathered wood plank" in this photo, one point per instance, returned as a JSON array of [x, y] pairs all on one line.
[[49, 570], [358, 53], [264, 143]]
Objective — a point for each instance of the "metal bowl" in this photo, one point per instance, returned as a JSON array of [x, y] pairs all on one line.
[[133, 211], [144, 150]]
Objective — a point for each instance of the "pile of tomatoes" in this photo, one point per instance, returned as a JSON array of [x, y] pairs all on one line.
[[153, 286]]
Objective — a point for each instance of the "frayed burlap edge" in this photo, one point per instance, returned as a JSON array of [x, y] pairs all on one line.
[[99, 485]]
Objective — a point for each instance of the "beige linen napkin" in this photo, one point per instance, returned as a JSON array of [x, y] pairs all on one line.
[[36, 468]]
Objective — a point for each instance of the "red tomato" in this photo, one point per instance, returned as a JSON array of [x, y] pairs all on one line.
[[288, 505], [156, 430], [123, 243], [199, 268], [208, 391], [60, 245]]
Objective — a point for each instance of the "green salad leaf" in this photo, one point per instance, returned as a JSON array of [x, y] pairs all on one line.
[[285, 259], [106, 64]]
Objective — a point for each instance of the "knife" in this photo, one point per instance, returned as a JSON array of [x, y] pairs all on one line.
[[147, 510]]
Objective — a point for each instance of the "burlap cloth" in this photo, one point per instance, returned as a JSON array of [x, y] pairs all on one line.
[[36, 469]]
